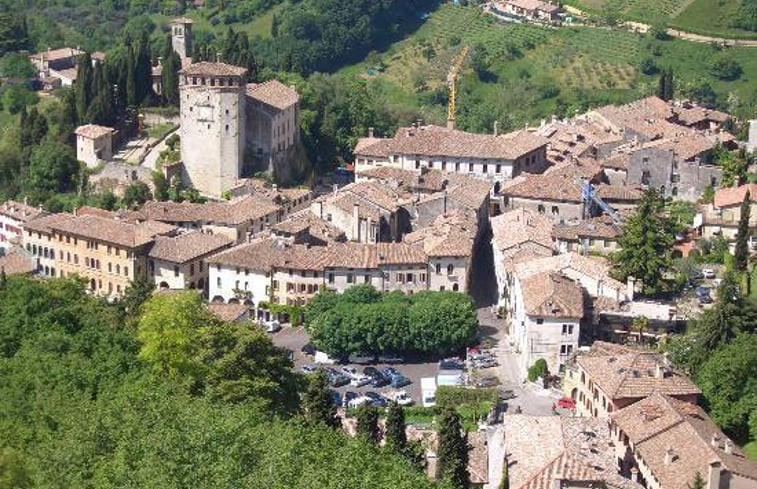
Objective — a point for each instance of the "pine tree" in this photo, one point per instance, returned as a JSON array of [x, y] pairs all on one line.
[[741, 254], [317, 401], [452, 455], [367, 423], [698, 482], [84, 81], [396, 438], [645, 244]]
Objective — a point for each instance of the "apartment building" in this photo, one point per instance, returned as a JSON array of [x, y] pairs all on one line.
[[13, 216], [595, 235], [178, 262], [492, 157], [662, 442], [109, 253], [611, 377], [722, 216], [238, 219]]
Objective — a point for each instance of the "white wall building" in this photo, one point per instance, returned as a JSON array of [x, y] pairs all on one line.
[[94, 144], [13, 216], [178, 263]]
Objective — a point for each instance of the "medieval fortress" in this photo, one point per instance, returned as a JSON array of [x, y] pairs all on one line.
[[229, 128]]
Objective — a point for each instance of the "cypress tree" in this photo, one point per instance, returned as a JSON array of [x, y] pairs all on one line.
[[367, 423], [84, 81], [3, 278], [37, 126], [452, 455], [317, 402], [697, 483], [96, 111], [741, 254], [396, 438], [25, 137], [69, 120], [143, 70], [131, 82], [169, 74]]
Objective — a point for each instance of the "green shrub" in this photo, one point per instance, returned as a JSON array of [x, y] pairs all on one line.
[[538, 369]]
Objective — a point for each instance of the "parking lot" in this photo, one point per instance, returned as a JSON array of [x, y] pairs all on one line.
[[295, 338]]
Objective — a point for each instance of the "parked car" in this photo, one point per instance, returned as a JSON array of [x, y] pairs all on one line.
[[487, 382], [360, 380], [566, 403], [321, 357], [401, 398], [308, 349], [507, 394], [703, 295], [336, 398], [362, 358], [399, 381], [370, 371], [338, 380], [389, 372], [351, 371], [348, 396], [390, 358], [708, 273], [272, 326], [484, 362], [376, 399], [359, 401], [451, 364], [379, 380], [308, 369]]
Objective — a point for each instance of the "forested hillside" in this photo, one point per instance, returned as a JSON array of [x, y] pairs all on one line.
[[160, 395]]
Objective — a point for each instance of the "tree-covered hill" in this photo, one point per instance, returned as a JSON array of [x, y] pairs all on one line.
[[85, 402]]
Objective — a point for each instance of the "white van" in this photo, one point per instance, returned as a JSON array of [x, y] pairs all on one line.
[[428, 391]]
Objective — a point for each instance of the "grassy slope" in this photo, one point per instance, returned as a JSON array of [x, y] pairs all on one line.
[[597, 64], [707, 17], [260, 26]]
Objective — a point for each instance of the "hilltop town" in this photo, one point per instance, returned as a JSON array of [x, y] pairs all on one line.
[[566, 304]]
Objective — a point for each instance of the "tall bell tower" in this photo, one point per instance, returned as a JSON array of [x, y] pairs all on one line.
[[182, 38]]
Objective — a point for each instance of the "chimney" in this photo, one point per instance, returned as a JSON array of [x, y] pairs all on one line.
[[496, 128], [356, 222], [713, 475], [419, 122], [634, 474], [728, 447], [26, 200], [659, 371], [275, 187], [715, 441], [370, 132], [336, 189], [318, 209], [669, 456], [630, 286], [76, 211]]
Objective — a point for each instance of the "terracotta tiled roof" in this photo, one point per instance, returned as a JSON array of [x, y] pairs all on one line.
[[557, 184], [234, 212], [726, 197], [273, 93], [43, 223], [659, 422], [17, 262], [228, 312], [552, 295], [305, 220], [601, 227], [685, 146], [440, 141], [478, 457], [514, 228], [56, 54], [93, 131], [130, 235], [594, 267], [533, 5], [694, 115], [541, 449], [188, 246], [635, 375], [19, 211], [371, 256], [262, 255], [615, 193], [451, 234], [206, 68], [617, 161], [427, 180], [98, 56], [373, 146], [260, 188], [648, 117]]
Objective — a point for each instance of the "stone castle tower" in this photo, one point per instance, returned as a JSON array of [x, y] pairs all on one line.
[[212, 109], [182, 38]]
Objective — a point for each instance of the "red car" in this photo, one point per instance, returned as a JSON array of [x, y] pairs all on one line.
[[567, 403]]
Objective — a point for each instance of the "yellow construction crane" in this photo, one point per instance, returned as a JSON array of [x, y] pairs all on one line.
[[452, 83]]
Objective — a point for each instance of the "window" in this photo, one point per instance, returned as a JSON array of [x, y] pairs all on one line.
[[366, 279], [175, 270], [450, 269], [438, 268], [567, 329], [645, 176], [417, 164], [423, 277], [486, 167], [555, 210], [410, 278], [457, 166], [441, 288], [498, 169], [331, 278], [192, 269], [126, 271], [401, 278], [218, 281], [539, 321], [540, 208], [118, 268], [350, 278]]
